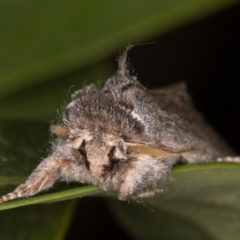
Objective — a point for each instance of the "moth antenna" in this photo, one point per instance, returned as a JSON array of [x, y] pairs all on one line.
[[153, 151], [149, 150]]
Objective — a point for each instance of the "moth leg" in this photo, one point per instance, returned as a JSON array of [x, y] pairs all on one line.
[[135, 180], [128, 186], [149, 193], [43, 177]]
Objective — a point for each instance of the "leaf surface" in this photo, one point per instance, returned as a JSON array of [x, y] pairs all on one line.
[[197, 202]]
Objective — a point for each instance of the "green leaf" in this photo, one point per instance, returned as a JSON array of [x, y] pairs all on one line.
[[197, 202], [44, 39], [44, 101], [46, 221]]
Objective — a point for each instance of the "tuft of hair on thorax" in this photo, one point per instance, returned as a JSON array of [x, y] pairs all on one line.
[[123, 66]]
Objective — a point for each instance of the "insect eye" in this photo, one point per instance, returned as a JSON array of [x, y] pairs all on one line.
[[82, 149]]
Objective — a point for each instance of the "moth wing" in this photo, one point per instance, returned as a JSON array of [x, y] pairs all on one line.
[[185, 127]]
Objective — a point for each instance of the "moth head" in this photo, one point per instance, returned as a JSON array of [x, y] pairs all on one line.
[[99, 150]]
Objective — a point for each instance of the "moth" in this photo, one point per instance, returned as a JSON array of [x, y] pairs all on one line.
[[125, 138]]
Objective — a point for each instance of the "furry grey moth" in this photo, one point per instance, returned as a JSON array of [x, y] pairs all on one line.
[[125, 138]]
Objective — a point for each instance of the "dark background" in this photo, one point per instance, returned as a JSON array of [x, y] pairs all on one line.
[[206, 55]]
